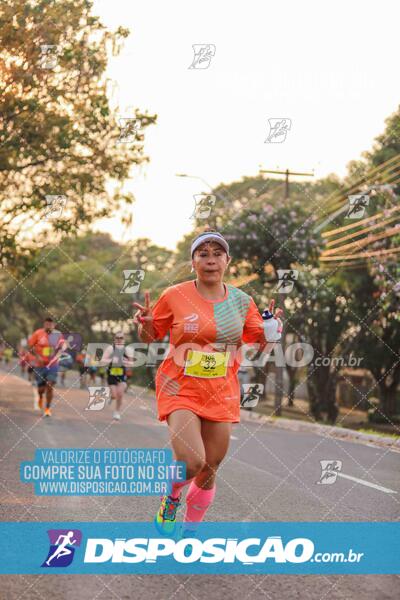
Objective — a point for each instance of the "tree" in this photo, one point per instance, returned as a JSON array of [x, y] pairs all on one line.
[[58, 133], [79, 282], [378, 339], [375, 312]]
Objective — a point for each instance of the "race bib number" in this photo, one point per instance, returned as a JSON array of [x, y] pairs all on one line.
[[47, 350], [116, 371], [206, 364]]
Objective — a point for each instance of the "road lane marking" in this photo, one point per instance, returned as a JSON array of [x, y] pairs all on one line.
[[233, 437], [367, 483]]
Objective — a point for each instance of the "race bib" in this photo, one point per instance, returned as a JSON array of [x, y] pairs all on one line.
[[206, 364], [116, 371]]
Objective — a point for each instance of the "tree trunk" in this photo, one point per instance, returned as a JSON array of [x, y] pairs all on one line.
[[260, 376], [278, 391], [387, 404], [321, 385], [292, 375]]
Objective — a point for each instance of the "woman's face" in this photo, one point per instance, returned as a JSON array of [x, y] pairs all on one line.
[[210, 261]]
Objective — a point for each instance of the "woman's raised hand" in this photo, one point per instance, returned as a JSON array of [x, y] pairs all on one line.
[[278, 312], [143, 314]]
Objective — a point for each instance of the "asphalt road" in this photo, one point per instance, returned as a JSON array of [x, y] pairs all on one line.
[[270, 474]]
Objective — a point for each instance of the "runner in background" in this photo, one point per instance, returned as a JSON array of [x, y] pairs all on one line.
[[8, 354], [65, 362], [92, 374], [102, 374], [117, 372], [80, 360], [197, 388], [23, 364], [30, 359], [91, 369], [46, 344]]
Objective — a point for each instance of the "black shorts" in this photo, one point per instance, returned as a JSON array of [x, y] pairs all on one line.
[[116, 379]]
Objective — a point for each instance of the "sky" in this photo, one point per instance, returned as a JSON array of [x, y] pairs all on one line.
[[329, 67]]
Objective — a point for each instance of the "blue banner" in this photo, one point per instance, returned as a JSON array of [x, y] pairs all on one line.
[[102, 471], [214, 548]]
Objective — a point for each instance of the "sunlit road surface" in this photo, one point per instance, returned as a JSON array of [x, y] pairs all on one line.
[[269, 474]]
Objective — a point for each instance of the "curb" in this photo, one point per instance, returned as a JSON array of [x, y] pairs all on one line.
[[350, 435]]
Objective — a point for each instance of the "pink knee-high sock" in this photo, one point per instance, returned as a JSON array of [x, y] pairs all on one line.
[[197, 503], [178, 486]]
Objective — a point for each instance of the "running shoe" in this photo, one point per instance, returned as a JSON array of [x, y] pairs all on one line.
[[116, 415], [165, 519], [47, 412]]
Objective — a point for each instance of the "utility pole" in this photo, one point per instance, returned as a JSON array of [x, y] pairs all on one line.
[[279, 383], [287, 173]]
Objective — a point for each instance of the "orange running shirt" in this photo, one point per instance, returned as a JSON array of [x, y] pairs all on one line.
[[45, 346], [195, 323]]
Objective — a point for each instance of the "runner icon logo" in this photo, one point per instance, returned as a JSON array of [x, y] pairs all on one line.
[[74, 341], [54, 206], [98, 396], [133, 279], [330, 470], [203, 54], [252, 393], [278, 130], [62, 547], [357, 205], [203, 204], [129, 130], [49, 56], [286, 278]]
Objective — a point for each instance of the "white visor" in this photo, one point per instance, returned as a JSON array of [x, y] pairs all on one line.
[[209, 237]]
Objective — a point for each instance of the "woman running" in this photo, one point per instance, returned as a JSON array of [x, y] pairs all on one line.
[[197, 387], [116, 372]]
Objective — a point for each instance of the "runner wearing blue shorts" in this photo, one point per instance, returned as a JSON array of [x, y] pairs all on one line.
[[46, 344]]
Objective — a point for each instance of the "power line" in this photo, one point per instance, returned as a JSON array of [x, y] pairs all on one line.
[[287, 173]]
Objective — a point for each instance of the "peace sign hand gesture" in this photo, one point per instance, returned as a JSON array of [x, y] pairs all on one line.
[[278, 312], [273, 326], [144, 313]]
